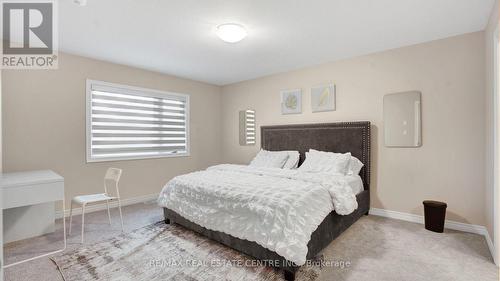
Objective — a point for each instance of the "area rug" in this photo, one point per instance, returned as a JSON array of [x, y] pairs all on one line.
[[166, 252]]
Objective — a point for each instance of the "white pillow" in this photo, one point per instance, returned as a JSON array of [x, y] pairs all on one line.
[[293, 159], [319, 161], [266, 159], [354, 166]]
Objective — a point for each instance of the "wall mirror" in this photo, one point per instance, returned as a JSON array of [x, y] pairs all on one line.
[[247, 127], [402, 119]]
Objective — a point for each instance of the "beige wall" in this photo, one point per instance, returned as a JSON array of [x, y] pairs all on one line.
[[450, 164], [1, 162], [1, 200], [489, 124], [44, 125]]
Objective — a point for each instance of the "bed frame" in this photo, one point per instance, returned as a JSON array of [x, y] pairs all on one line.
[[342, 137]]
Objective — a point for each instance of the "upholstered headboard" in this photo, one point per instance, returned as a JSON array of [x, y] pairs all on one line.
[[342, 137]]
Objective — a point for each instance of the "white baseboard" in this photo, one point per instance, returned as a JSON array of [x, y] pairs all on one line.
[[113, 204], [465, 227], [491, 246], [396, 215]]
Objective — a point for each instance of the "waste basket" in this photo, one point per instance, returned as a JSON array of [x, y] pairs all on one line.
[[435, 213]]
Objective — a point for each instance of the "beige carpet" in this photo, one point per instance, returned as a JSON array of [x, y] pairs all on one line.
[[372, 249], [97, 229]]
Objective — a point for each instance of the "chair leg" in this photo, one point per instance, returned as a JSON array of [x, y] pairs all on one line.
[[120, 210], [109, 214], [70, 217], [83, 219]]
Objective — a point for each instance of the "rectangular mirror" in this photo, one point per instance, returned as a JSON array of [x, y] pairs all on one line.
[[402, 119], [247, 127]]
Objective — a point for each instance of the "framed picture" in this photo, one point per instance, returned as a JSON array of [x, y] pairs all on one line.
[[323, 98], [291, 101]]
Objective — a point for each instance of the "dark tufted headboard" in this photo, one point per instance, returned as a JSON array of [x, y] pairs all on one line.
[[342, 137]]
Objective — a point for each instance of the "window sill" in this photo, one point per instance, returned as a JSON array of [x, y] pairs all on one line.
[[115, 159]]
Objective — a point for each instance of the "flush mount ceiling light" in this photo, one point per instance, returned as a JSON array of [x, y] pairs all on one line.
[[231, 32], [80, 2]]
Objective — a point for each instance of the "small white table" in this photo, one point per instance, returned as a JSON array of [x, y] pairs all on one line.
[[32, 188]]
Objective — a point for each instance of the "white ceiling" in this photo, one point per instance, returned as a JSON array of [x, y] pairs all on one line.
[[176, 37]]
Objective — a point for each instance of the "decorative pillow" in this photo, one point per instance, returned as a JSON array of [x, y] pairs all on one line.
[[354, 166], [319, 161], [268, 159]]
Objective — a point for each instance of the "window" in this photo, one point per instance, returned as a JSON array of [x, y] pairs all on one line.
[[247, 127], [126, 122]]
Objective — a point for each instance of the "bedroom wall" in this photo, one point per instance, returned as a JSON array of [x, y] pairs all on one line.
[[489, 125], [1, 170], [1, 167], [44, 125], [450, 164]]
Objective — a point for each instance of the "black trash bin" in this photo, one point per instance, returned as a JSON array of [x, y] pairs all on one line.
[[435, 213]]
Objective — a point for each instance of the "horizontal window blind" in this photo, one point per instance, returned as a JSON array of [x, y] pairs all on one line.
[[131, 123], [247, 127], [250, 127]]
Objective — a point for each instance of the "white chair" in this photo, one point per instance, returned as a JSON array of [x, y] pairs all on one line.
[[112, 175]]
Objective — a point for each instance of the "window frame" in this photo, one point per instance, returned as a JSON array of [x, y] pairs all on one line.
[[145, 92]]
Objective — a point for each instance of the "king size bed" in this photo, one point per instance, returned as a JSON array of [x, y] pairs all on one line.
[[284, 217]]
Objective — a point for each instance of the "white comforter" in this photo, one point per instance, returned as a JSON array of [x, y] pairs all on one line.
[[278, 209]]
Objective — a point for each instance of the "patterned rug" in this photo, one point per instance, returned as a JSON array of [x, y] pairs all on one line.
[[166, 252]]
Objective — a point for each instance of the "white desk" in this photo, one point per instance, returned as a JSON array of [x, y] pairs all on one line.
[[34, 188]]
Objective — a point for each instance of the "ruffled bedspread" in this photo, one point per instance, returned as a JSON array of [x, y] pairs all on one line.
[[278, 209]]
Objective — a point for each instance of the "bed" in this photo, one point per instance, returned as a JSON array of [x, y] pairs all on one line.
[[353, 137]]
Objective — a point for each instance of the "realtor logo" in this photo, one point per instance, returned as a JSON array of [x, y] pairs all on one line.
[[29, 35]]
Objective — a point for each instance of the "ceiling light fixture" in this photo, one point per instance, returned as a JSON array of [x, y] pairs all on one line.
[[231, 32], [80, 2]]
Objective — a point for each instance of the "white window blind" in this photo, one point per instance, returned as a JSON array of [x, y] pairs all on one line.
[[133, 123], [247, 127]]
